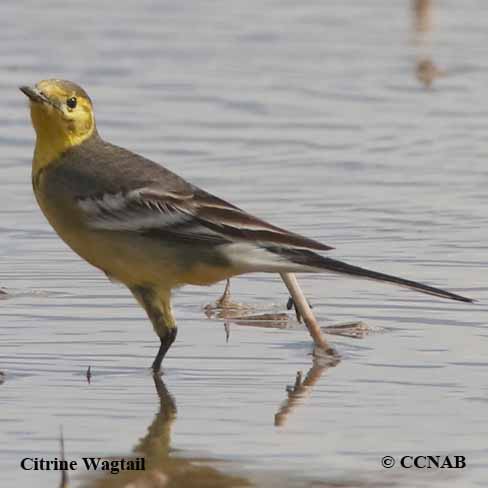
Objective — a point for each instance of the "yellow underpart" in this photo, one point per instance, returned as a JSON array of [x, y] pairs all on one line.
[[129, 257], [207, 274], [52, 140]]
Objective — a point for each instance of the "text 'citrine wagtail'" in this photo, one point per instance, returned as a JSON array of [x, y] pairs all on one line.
[[144, 225]]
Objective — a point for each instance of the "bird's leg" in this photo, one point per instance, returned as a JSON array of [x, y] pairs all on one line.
[[305, 311], [166, 342], [158, 308], [224, 299]]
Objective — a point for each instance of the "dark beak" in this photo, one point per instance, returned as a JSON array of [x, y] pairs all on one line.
[[33, 94], [37, 96]]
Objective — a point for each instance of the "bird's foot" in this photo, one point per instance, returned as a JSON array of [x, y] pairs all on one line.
[[326, 356], [225, 308]]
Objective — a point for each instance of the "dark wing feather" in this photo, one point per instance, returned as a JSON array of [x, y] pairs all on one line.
[[196, 217], [121, 191]]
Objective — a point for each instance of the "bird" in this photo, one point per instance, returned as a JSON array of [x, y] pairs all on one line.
[[146, 227], [427, 72]]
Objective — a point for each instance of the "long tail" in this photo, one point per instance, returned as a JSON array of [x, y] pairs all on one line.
[[313, 260]]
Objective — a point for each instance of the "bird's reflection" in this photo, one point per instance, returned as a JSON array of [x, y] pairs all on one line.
[[422, 16], [302, 388], [321, 363], [161, 468], [427, 71]]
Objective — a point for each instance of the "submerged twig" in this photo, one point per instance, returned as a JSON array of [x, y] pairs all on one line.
[[64, 473], [227, 330]]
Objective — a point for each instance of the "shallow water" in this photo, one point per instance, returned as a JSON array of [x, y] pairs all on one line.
[[310, 116]]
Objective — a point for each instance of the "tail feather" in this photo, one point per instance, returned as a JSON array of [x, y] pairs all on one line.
[[313, 260]]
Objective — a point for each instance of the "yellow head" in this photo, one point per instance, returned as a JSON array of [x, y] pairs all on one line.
[[62, 116]]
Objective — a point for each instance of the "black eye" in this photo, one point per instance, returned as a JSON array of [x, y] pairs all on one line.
[[71, 102]]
